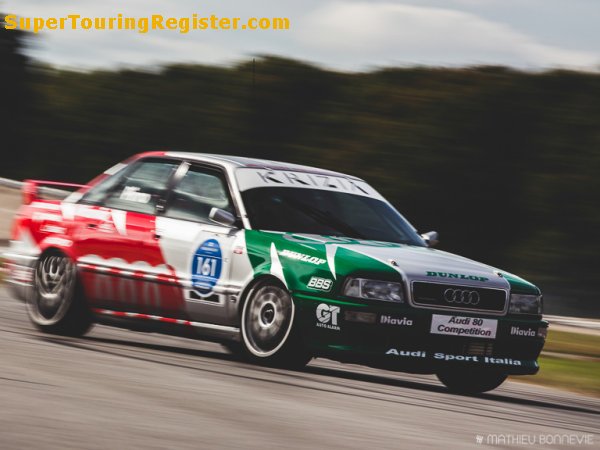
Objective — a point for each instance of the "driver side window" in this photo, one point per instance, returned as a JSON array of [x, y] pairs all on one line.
[[200, 190], [138, 189]]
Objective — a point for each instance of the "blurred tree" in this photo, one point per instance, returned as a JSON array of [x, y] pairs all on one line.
[[503, 163], [15, 98]]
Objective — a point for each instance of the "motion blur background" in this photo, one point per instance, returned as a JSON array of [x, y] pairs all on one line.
[[502, 160]]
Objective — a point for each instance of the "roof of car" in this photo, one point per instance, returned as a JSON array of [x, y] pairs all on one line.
[[255, 163]]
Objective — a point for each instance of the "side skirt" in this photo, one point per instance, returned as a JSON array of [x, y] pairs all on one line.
[[167, 325]]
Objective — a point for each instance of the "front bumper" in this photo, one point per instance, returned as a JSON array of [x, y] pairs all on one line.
[[400, 337], [19, 274]]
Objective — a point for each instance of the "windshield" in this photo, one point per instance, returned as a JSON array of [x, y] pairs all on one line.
[[328, 213]]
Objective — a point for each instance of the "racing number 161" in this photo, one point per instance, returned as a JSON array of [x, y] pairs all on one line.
[[206, 266]]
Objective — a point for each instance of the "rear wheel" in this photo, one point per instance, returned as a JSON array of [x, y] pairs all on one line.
[[56, 304], [268, 333], [471, 381]]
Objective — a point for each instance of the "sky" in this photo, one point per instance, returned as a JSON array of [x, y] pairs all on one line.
[[352, 35]]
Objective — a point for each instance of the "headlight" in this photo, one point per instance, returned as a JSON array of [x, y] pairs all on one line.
[[525, 304], [374, 290]]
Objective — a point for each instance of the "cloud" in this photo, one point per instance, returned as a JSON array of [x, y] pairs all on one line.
[[387, 33], [342, 34]]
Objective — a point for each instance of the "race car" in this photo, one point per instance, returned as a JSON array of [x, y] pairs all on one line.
[[281, 263]]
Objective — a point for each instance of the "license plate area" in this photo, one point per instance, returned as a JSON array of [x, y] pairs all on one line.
[[472, 327]]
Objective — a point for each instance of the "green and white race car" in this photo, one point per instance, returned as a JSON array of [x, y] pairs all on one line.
[[280, 262]]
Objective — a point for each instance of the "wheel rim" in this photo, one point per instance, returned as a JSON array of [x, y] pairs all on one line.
[[267, 320], [54, 280]]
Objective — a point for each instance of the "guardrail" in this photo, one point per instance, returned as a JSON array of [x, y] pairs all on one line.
[[52, 192], [11, 183], [578, 322]]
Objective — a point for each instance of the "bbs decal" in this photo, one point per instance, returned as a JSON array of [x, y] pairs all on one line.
[[206, 267], [320, 284]]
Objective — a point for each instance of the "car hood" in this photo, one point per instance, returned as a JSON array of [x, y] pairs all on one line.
[[413, 263], [427, 264]]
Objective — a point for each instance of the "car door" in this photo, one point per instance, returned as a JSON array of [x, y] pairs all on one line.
[[198, 249], [117, 244]]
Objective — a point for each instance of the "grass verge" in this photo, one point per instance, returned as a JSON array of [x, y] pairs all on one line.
[[573, 343], [575, 375], [574, 363]]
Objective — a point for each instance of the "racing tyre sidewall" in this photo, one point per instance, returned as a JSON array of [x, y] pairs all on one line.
[[471, 381], [55, 303], [268, 327]]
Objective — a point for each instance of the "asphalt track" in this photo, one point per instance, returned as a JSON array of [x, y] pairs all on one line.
[[121, 389]]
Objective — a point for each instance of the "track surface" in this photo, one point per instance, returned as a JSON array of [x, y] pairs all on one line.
[[121, 389]]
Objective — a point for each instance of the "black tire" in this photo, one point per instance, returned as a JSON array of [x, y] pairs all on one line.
[[471, 381], [235, 348], [269, 334], [56, 304]]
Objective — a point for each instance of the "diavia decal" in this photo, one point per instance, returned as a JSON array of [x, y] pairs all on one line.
[[518, 331], [397, 321], [327, 316], [206, 267]]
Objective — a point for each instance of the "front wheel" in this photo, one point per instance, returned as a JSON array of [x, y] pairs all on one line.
[[471, 381], [55, 304], [268, 333]]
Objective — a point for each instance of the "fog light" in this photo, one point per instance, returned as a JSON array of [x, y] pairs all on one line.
[[360, 317], [542, 332]]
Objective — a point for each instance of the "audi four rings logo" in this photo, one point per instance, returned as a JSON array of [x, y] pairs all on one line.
[[461, 296]]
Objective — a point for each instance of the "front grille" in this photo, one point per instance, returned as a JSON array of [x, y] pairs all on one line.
[[479, 348], [466, 298]]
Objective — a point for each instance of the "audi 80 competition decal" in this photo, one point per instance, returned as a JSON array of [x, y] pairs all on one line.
[[464, 326]]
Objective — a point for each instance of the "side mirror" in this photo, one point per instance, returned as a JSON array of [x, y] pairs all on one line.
[[221, 217], [431, 238]]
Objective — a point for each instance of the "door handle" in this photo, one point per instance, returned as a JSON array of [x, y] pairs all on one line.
[[157, 236], [91, 225]]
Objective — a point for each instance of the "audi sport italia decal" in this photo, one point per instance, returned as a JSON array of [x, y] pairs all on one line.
[[438, 356]]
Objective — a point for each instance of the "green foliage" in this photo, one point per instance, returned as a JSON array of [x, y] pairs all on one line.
[[504, 164], [15, 99]]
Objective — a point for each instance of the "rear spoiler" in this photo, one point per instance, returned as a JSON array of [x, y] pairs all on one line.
[[32, 189]]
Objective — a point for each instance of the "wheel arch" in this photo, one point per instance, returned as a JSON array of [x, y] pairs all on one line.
[[256, 282], [59, 244]]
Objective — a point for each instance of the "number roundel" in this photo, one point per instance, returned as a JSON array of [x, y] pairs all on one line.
[[206, 267]]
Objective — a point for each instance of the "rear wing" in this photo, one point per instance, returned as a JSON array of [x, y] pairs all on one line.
[[38, 189]]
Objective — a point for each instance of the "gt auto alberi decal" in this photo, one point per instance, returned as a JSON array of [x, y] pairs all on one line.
[[327, 316]]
